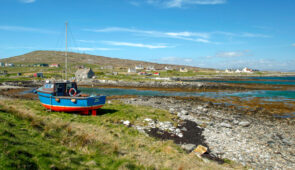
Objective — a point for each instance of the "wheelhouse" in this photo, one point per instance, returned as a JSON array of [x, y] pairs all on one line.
[[61, 88]]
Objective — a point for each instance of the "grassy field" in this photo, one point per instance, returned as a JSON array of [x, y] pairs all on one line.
[[57, 73], [32, 138]]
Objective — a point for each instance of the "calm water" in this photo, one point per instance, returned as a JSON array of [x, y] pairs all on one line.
[[267, 94], [270, 95], [260, 80]]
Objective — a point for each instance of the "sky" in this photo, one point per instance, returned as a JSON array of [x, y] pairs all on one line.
[[220, 34]]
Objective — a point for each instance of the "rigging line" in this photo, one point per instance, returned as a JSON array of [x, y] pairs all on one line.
[[58, 47], [74, 40], [60, 39]]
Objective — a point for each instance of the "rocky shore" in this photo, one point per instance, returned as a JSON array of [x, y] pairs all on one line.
[[255, 141], [165, 85]]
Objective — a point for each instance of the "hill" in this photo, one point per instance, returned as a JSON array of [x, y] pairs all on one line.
[[77, 58]]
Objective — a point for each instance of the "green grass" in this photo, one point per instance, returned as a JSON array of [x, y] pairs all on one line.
[[72, 141], [25, 146]]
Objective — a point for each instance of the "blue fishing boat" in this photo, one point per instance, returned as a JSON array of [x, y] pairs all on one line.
[[65, 97]]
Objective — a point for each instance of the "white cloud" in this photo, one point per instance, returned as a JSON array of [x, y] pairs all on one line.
[[134, 3], [251, 35], [87, 41], [92, 49], [25, 29], [28, 1], [175, 60], [189, 36], [200, 37], [246, 34], [181, 3], [116, 43], [230, 54]]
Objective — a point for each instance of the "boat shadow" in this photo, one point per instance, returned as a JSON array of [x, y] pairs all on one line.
[[105, 111], [101, 112]]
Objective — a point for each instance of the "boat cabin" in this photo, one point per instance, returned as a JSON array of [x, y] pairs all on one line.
[[60, 88]]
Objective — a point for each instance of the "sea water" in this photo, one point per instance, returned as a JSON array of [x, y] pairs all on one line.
[[268, 94], [274, 95]]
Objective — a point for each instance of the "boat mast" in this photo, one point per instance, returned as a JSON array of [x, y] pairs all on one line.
[[66, 53]]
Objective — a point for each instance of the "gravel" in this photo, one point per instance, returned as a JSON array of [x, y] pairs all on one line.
[[258, 142]]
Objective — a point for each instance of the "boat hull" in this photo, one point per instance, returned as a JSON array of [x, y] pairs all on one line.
[[85, 105]]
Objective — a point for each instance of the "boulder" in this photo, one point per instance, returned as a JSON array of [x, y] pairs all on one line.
[[188, 147]]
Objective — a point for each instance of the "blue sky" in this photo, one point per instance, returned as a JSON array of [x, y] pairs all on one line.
[[205, 33]]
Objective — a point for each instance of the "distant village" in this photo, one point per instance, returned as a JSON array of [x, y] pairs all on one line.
[[87, 73], [244, 70]]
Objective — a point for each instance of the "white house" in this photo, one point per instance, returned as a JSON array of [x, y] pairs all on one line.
[[9, 65], [238, 71], [168, 68], [228, 71], [84, 73], [131, 70], [150, 68], [183, 70], [139, 67], [54, 65], [247, 70]]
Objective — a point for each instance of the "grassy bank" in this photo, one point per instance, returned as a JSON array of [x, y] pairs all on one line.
[[33, 138]]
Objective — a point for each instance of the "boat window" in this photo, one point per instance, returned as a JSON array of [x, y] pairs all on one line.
[[49, 86], [60, 89]]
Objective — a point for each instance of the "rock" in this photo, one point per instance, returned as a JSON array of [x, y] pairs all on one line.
[[188, 147], [183, 129], [244, 123], [184, 112], [235, 122], [109, 102], [147, 120], [225, 125], [179, 114], [200, 107], [172, 110], [180, 135], [200, 150], [140, 129], [205, 110], [285, 141], [126, 122]]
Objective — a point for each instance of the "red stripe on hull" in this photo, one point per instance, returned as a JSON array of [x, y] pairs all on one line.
[[71, 109]]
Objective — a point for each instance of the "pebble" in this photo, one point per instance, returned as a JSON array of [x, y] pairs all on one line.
[[244, 123], [184, 112], [225, 125]]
